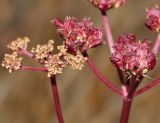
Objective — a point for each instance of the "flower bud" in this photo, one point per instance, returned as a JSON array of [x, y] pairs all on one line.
[[153, 19], [107, 4]]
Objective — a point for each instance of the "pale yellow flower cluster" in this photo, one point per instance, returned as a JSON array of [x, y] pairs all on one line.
[[42, 52], [19, 44], [12, 62], [55, 65], [44, 55], [75, 61], [57, 62]]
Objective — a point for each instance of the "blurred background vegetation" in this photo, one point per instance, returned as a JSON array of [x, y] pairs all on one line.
[[25, 97]]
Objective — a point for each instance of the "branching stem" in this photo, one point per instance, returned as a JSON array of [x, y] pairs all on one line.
[[101, 77], [146, 88], [128, 98]]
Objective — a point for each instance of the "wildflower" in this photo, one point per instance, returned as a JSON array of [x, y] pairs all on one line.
[[79, 34], [42, 52], [12, 62], [135, 58], [75, 61], [107, 4], [153, 19], [19, 44], [55, 65], [62, 50]]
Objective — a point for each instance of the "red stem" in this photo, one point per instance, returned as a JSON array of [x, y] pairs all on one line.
[[33, 68], [134, 83], [147, 87], [101, 77], [127, 102], [56, 99], [110, 39], [107, 30], [157, 44], [26, 53], [128, 98]]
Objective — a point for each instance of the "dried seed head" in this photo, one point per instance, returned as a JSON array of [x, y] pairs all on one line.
[[19, 44], [135, 58], [79, 34], [42, 52], [12, 62], [153, 19], [107, 4], [75, 61], [55, 65]]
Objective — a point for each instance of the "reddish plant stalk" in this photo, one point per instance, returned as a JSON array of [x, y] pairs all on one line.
[[110, 39], [28, 68], [127, 102], [101, 77], [26, 53], [157, 44], [128, 99], [147, 87], [107, 30], [56, 99]]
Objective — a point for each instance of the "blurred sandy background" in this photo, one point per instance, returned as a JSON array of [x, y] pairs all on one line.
[[25, 97]]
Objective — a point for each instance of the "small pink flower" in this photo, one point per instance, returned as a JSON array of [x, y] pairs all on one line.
[[79, 34], [107, 4], [153, 19], [135, 58]]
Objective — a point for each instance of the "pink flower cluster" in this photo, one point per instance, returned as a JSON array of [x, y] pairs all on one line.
[[153, 19], [79, 34], [135, 58], [107, 4]]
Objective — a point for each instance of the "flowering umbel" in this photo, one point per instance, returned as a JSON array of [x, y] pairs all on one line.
[[19, 44], [41, 52], [55, 65], [75, 61], [107, 4], [135, 58], [44, 54], [79, 34], [12, 62], [153, 19]]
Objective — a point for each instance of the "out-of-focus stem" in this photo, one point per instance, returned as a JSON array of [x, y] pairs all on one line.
[[26, 53], [148, 87], [101, 77], [30, 55], [157, 44], [107, 30], [28, 68], [56, 99]]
